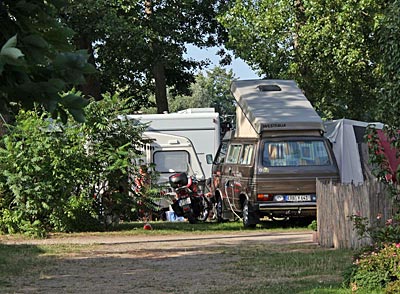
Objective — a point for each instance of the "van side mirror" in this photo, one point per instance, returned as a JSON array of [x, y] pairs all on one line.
[[209, 158]]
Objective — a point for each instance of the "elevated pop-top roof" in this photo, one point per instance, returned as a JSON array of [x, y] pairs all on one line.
[[275, 105]]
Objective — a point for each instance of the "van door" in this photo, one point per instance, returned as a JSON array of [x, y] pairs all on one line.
[[245, 172], [231, 176]]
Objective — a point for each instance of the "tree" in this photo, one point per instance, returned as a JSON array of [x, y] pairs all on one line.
[[389, 69], [139, 44], [209, 90], [328, 47], [37, 59]]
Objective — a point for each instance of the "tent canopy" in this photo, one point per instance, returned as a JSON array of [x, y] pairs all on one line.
[[347, 138]]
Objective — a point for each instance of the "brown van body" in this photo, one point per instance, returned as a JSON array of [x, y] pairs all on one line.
[[245, 181]]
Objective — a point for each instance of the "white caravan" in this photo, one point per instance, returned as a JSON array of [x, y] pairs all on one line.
[[198, 125], [170, 154]]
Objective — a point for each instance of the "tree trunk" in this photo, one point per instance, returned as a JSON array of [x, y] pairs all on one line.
[[92, 86], [158, 68], [161, 87], [300, 21]]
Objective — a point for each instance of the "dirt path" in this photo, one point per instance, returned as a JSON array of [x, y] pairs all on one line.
[[146, 264]]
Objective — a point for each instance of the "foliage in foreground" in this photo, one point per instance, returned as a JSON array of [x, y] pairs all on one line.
[[377, 270], [37, 59], [56, 177]]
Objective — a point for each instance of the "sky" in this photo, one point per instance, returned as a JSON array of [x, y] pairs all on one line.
[[241, 70]]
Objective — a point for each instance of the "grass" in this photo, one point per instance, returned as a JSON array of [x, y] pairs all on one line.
[[288, 268], [267, 268], [17, 260]]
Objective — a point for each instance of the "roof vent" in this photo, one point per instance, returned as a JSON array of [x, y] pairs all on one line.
[[268, 88]]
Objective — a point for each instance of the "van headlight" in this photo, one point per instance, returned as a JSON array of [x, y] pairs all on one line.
[[279, 198]]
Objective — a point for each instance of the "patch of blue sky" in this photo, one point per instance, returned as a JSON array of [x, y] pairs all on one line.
[[241, 70]]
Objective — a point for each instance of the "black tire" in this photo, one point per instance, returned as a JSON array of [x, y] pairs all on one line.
[[219, 208], [205, 209], [246, 215], [191, 218]]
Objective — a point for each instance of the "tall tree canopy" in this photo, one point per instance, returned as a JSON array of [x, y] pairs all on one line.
[[37, 59], [138, 46], [389, 45], [329, 47], [211, 89]]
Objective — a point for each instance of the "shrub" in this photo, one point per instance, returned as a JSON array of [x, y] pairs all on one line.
[[378, 269], [68, 177], [380, 232]]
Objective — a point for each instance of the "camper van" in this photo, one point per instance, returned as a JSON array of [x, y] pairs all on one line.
[[198, 125], [269, 165]]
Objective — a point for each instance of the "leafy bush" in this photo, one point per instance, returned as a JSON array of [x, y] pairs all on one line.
[[381, 232], [68, 177], [377, 269], [41, 168], [313, 225]]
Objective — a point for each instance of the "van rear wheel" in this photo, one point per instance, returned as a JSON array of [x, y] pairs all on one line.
[[247, 216]]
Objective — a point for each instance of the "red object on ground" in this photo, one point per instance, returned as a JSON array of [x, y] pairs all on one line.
[[147, 227]]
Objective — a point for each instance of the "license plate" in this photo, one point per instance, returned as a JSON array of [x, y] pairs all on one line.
[[298, 198], [184, 201]]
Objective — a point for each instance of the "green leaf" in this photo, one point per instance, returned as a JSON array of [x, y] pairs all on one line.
[[13, 53], [78, 114], [12, 42], [74, 101], [36, 41]]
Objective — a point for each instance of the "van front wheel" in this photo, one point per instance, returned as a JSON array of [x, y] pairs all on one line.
[[247, 215], [219, 208]]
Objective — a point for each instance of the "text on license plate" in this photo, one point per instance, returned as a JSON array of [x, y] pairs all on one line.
[[184, 201], [298, 198]]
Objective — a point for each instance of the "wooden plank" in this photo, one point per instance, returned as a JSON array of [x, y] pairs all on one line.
[[337, 202]]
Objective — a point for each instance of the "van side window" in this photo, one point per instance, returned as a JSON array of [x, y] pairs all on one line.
[[220, 157], [233, 153], [247, 154]]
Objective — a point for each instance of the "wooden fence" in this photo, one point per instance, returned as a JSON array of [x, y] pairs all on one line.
[[337, 202]]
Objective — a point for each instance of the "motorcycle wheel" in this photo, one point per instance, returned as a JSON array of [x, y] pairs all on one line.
[[205, 209], [191, 218]]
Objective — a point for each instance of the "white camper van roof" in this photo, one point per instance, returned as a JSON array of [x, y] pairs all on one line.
[[271, 105]]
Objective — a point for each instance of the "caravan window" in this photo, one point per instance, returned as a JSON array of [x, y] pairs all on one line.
[[295, 153], [166, 161]]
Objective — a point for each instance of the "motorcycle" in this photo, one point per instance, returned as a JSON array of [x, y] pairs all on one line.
[[190, 202]]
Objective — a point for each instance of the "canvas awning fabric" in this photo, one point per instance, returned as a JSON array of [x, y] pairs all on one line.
[[346, 137]]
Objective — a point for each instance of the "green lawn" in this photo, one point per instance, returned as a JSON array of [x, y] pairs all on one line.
[[267, 268]]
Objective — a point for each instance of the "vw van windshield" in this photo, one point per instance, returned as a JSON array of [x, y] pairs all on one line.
[[295, 153]]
